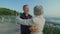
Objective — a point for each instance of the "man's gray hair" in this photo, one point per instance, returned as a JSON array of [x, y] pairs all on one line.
[[38, 10]]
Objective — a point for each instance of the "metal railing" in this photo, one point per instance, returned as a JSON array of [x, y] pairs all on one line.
[[9, 19]]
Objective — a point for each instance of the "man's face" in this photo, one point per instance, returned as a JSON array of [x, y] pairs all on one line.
[[26, 9]]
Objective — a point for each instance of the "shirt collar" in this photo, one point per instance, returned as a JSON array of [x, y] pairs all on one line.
[[24, 14], [39, 16]]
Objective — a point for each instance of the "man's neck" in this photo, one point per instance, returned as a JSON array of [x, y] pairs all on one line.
[[26, 14]]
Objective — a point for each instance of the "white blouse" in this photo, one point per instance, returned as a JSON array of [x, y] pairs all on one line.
[[39, 22]]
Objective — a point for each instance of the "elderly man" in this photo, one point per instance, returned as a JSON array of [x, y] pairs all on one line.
[[25, 15], [23, 20]]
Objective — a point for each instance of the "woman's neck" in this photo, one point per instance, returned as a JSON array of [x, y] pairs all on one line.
[[38, 15]]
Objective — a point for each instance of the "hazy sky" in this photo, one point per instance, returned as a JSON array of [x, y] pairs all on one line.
[[51, 7]]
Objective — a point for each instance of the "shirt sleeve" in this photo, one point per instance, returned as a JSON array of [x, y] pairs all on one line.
[[41, 25], [24, 21], [18, 20]]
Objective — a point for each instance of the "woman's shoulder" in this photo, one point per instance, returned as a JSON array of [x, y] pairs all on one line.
[[39, 18]]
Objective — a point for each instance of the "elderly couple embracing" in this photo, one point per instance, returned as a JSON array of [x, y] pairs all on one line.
[[31, 24]]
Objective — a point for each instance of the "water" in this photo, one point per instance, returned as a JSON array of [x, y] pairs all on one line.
[[55, 20]]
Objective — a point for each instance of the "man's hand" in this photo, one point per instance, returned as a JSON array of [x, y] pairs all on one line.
[[33, 29]]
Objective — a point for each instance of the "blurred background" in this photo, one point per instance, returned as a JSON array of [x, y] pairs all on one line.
[[10, 9]]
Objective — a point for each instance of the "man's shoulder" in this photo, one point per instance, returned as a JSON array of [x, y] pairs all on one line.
[[21, 14]]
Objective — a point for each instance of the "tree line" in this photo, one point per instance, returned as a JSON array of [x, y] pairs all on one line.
[[5, 11]]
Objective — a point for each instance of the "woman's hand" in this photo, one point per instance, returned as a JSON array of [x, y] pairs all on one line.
[[33, 29], [17, 24]]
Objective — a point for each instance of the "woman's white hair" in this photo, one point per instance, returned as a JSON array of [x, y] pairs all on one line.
[[38, 10]]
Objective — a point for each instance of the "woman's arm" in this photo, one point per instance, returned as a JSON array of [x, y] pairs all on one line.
[[24, 21], [18, 21]]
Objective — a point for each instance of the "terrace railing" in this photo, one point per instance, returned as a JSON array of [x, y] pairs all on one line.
[[7, 19]]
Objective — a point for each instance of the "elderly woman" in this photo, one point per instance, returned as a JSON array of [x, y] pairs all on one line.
[[38, 20]]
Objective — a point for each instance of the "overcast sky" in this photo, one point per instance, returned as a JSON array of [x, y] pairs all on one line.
[[51, 7]]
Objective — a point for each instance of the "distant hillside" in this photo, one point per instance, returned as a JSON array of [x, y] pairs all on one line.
[[5, 11]]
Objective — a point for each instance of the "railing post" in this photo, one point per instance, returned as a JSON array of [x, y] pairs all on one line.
[[9, 20], [2, 19]]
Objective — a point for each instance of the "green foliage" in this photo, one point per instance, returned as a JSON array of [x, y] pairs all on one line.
[[49, 30], [56, 31], [5, 11]]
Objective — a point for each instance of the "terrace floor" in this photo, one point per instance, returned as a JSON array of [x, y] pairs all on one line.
[[8, 28]]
